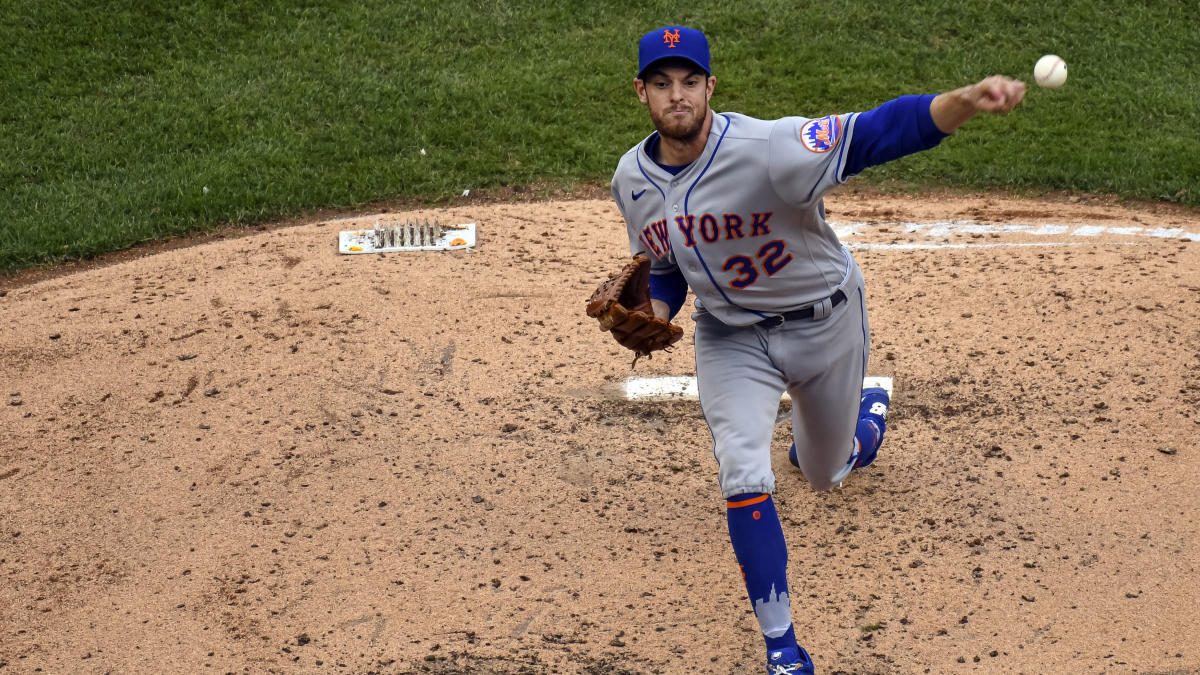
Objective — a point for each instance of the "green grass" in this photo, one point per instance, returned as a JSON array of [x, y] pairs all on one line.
[[127, 121]]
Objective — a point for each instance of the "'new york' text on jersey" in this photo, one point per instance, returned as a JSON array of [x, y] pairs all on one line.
[[744, 222]]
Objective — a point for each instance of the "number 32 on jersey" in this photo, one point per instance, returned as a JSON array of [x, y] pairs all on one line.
[[771, 257]]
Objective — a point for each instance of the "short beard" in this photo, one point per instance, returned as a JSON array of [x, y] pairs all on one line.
[[686, 135]]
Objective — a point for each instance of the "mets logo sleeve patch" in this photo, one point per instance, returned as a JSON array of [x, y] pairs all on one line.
[[821, 135], [806, 156]]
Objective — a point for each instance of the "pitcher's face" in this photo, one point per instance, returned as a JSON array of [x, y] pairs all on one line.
[[677, 97]]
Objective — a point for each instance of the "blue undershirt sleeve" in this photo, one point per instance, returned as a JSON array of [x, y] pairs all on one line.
[[671, 288], [897, 128]]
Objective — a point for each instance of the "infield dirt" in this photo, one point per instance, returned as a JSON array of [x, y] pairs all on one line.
[[257, 455]]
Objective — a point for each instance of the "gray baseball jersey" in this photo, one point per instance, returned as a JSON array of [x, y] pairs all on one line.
[[744, 222]]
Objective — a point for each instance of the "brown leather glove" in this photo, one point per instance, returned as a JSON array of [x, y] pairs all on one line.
[[622, 305]]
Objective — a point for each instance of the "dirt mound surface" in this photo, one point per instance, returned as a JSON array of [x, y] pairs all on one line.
[[258, 455]]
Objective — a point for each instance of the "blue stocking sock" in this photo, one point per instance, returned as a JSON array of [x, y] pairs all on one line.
[[872, 424], [761, 552], [869, 435]]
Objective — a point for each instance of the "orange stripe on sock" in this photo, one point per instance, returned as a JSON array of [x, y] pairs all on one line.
[[748, 502]]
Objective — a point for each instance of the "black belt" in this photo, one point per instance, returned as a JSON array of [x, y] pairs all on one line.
[[836, 299]]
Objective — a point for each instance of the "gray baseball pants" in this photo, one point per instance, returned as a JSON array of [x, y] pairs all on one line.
[[742, 372]]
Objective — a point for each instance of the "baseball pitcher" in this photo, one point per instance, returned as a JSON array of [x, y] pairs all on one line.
[[731, 207]]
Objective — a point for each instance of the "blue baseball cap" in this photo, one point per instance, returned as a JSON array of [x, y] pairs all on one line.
[[673, 42]]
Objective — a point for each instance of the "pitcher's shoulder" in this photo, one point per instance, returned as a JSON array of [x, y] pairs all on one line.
[[628, 163], [630, 155], [747, 127]]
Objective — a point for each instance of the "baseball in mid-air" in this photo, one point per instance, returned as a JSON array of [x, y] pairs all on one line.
[[1050, 71]]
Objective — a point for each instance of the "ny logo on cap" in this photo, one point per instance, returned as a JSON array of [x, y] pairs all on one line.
[[671, 39]]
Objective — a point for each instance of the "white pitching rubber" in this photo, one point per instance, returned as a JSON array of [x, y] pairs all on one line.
[[683, 387]]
